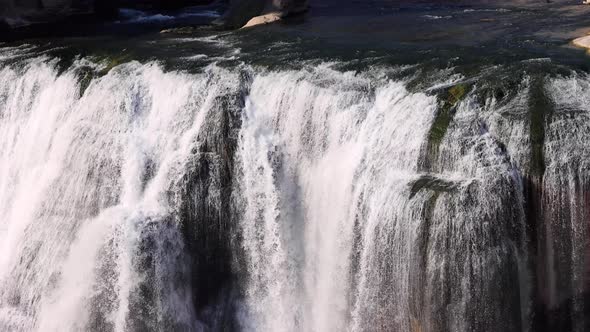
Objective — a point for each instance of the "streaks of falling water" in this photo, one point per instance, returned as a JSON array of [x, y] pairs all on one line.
[[566, 200], [298, 155], [334, 235], [85, 210], [341, 226]]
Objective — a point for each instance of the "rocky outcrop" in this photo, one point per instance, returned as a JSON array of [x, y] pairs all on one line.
[[241, 12], [263, 19]]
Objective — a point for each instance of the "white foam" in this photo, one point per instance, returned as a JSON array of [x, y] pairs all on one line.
[[76, 194]]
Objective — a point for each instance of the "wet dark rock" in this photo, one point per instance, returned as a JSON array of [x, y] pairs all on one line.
[[208, 223], [430, 182], [540, 113]]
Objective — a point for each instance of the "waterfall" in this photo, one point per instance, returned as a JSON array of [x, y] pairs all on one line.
[[135, 198], [343, 228], [304, 186], [89, 229], [566, 201]]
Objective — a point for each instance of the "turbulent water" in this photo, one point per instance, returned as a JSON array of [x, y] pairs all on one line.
[[138, 198]]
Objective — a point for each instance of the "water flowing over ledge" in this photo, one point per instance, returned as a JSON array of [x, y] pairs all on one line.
[[135, 198]]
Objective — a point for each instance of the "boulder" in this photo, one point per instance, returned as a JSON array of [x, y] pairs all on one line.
[[263, 19], [583, 42], [241, 12]]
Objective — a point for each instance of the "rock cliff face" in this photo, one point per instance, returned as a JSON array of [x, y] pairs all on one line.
[[21, 12]]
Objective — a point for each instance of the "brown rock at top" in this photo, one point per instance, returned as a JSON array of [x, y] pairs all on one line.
[[242, 11]]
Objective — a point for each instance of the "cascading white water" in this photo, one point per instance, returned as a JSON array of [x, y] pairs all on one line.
[[309, 151], [85, 184], [348, 215], [335, 223]]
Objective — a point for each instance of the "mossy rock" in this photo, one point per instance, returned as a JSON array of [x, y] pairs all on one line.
[[443, 119], [86, 76], [456, 93], [87, 73], [112, 62]]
